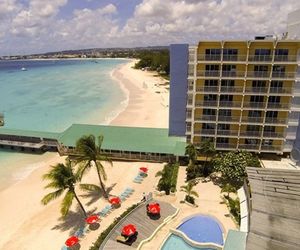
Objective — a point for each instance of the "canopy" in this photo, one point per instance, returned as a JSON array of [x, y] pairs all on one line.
[[128, 230], [73, 240], [92, 219], [115, 200], [154, 208], [144, 170]]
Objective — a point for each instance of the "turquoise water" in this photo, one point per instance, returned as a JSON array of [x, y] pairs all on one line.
[[202, 228], [175, 242], [50, 96]]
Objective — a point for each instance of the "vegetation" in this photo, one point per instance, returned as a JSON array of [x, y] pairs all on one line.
[[62, 178], [89, 154], [232, 166], [154, 60], [104, 234], [234, 208], [168, 179], [228, 188], [188, 189], [208, 150]]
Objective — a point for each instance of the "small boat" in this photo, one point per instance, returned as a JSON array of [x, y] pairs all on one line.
[[23, 69]]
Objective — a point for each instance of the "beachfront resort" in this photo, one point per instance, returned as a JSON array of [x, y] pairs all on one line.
[[196, 184]]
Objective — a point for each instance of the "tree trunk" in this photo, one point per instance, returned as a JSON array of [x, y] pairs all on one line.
[[101, 183], [81, 206]]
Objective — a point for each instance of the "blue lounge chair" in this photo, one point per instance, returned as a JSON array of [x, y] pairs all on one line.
[[64, 248], [136, 180], [80, 232]]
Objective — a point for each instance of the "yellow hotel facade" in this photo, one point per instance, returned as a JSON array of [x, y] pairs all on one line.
[[243, 95]]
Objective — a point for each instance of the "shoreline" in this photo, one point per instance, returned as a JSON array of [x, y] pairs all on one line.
[[34, 225]]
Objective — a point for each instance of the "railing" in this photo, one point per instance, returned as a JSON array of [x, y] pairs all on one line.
[[254, 104], [256, 89], [252, 119], [275, 120], [233, 73], [284, 75], [285, 58], [233, 89], [273, 134], [280, 90], [250, 133], [207, 89], [234, 58], [258, 74], [227, 146], [206, 118], [272, 105], [203, 57], [190, 87], [213, 73], [228, 132], [229, 104], [249, 146], [205, 132], [207, 104], [228, 118], [251, 58], [271, 148], [260, 58]]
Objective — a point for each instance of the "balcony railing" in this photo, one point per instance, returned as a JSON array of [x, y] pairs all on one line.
[[208, 73], [274, 105], [206, 118], [258, 74], [275, 120], [249, 146], [260, 58], [271, 148], [284, 75], [203, 57], [234, 58], [250, 133], [252, 119], [233, 89], [207, 104], [229, 104], [228, 118], [227, 146], [205, 132], [285, 58], [190, 87], [254, 104], [273, 134], [233, 73], [280, 90], [227, 132], [256, 89], [207, 89]]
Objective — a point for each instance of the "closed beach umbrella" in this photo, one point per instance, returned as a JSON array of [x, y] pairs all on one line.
[[144, 170], [92, 219], [128, 230], [72, 241], [154, 208], [115, 200]]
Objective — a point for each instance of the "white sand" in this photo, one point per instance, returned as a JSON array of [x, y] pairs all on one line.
[[27, 224]]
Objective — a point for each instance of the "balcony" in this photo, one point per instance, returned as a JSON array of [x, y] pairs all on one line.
[[252, 119], [207, 89], [205, 132], [206, 118], [227, 132], [190, 88], [275, 120], [274, 105], [260, 58], [203, 57], [256, 90], [284, 75], [225, 146], [250, 133], [258, 74], [234, 58], [233, 74], [208, 73], [271, 148], [281, 90], [228, 118], [249, 146], [206, 104], [255, 105], [285, 58], [268, 134], [230, 104], [231, 89]]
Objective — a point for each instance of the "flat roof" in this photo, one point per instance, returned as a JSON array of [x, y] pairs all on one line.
[[29, 133], [135, 139], [236, 240]]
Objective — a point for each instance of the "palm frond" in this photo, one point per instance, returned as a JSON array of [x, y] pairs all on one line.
[[159, 173], [89, 187], [194, 193], [51, 196], [66, 203], [102, 171]]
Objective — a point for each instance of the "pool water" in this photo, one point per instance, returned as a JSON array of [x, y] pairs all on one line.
[[175, 242], [203, 229]]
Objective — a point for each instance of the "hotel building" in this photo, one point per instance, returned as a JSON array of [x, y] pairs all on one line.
[[242, 95]]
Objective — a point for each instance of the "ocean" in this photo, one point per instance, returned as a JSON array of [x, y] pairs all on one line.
[[50, 95]]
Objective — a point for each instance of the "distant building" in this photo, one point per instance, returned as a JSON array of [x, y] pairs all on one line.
[[294, 25], [242, 95]]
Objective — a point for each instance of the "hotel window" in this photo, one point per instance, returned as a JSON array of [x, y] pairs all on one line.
[[274, 99], [267, 142], [213, 54], [211, 85], [278, 71], [222, 140], [209, 112], [226, 98], [261, 70], [270, 129], [210, 98], [223, 127], [229, 70], [272, 114], [262, 55], [230, 54], [251, 141], [256, 99], [281, 55], [254, 113], [212, 70], [224, 112], [208, 126], [258, 86], [276, 84]]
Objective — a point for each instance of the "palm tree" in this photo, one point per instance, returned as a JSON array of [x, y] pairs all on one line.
[[206, 148], [188, 189], [228, 189], [192, 152], [89, 154], [62, 178]]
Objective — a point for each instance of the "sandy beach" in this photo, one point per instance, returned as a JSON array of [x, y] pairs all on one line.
[[27, 224]]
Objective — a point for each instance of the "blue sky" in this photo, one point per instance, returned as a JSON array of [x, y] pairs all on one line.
[[34, 26]]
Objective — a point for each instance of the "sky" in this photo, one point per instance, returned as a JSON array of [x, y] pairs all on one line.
[[36, 26]]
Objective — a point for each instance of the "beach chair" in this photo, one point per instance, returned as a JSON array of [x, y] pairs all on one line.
[[129, 190], [80, 232], [136, 180], [65, 248], [122, 239]]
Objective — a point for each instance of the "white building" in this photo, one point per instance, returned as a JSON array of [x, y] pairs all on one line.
[[294, 25]]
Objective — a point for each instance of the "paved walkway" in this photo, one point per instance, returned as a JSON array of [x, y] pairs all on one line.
[[144, 225]]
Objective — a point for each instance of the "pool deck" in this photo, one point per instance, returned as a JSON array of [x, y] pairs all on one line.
[[144, 225]]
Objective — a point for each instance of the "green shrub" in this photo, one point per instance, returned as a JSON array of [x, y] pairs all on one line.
[[104, 234], [190, 199], [168, 178], [234, 208]]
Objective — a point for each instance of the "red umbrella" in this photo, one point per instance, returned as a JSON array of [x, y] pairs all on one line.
[[73, 240], [115, 200], [144, 170], [154, 208], [128, 230], [92, 219]]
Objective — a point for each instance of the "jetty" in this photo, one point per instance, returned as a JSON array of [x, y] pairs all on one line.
[[120, 143]]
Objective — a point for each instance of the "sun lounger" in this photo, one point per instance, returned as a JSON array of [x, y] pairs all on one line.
[[123, 240], [64, 248], [137, 181], [80, 232]]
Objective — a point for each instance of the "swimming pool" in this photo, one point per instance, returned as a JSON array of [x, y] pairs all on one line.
[[175, 242], [202, 228]]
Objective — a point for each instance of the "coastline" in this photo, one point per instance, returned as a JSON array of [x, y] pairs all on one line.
[[35, 226]]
